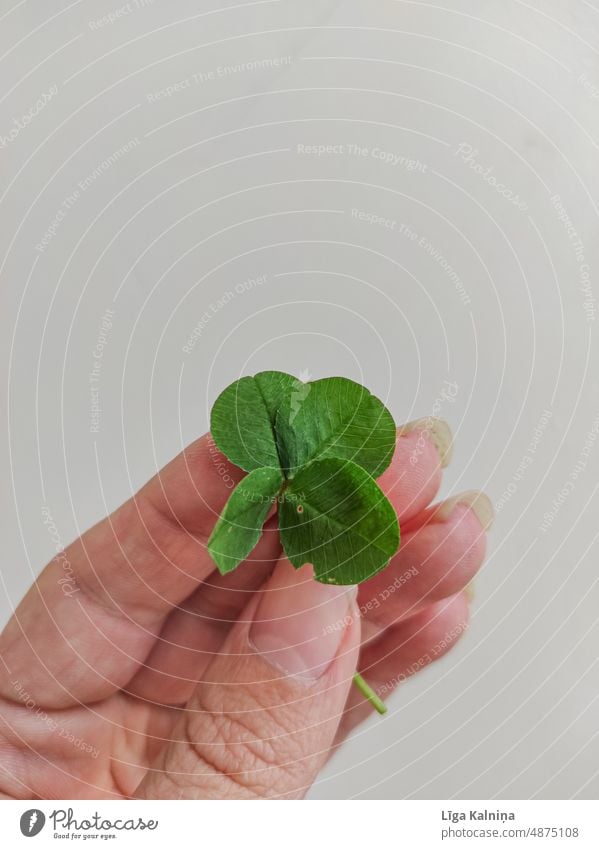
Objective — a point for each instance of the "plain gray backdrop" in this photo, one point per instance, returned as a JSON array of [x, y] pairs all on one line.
[[404, 193]]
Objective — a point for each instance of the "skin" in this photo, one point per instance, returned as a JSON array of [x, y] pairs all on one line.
[[138, 677]]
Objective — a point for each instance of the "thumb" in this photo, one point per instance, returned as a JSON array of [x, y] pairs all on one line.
[[262, 721]]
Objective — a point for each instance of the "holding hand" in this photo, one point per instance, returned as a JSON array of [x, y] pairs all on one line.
[[151, 675]]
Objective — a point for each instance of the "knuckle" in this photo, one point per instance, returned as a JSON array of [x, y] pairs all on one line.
[[244, 752]]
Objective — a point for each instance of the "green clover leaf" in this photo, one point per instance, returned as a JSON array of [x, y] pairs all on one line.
[[240, 525], [334, 516], [335, 418], [314, 450], [242, 421]]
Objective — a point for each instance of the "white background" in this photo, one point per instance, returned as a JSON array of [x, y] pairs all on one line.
[[215, 193]]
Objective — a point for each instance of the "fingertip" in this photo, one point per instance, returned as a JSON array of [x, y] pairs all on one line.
[[437, 431], [478, 502], [463, 541], [414, 475]]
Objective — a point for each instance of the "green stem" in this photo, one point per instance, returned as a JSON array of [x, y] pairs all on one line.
[[369, 694]]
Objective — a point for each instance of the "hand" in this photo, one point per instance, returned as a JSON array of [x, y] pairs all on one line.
[[133, 669]]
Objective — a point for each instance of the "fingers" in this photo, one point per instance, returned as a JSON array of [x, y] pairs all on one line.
[[261, 723], [152, 551], [403, 651], [195, 631], [413, 478], [93, 615], [435, 561], [417, 609]]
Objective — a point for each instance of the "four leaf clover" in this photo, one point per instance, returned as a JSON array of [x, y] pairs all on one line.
[[314, 450]]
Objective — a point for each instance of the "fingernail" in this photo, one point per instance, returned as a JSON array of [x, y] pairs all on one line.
[[439, 433], [478, 502], [470, 591], [299, 623]]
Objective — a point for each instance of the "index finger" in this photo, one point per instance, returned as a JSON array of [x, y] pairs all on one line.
[[93, 614]]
